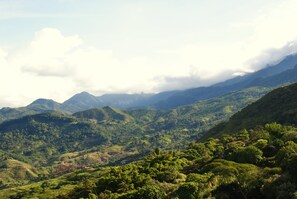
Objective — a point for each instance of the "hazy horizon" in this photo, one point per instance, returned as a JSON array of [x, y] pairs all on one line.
[[55, 49]]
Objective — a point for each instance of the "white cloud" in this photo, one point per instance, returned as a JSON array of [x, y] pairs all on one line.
[[46, 53], [56, 66], [37, 69], [272, 36], [273, 55]]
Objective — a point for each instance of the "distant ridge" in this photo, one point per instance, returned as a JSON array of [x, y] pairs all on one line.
[[81, 101], [46, 104], [272, 75], [282, 73]]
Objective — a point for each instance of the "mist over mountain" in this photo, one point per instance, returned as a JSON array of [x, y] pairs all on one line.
[[278, 74], [284, 72]]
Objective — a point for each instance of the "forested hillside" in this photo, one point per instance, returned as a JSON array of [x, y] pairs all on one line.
[[258, 163], [280, 105], [98, 137]]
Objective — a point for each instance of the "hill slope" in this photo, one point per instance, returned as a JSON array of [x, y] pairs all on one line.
[[38, 106], [44, 104], [280, 105], [104, 114], [38, 137], [16, 172], [239, 166], [288, 76], [108, 135], [81, 101]]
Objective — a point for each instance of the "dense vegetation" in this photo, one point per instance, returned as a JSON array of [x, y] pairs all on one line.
[[104, 114], [280, 105], [258, 163], [50, 144]]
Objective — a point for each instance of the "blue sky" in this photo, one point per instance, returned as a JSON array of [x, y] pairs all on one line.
[[54, 49]]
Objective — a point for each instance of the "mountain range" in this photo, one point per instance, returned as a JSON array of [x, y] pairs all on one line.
[[42, 143], [284, 72]]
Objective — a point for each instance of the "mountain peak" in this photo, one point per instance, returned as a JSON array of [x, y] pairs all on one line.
[[44, 104], [83, 96], [42, 101], [84, 93], [82, 101]]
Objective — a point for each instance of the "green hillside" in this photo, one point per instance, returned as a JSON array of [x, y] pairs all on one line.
[[102, 136], [280, 105], [45, 104], [35, 139], [16, 172], [104, 114], [259, 163], [81, 101]]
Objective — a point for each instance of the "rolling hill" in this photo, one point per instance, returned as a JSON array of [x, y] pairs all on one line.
[[280, 106], [81, 101], [104, 114], [111, 136]]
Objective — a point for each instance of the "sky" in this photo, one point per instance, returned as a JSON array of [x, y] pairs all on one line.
[[55, 49]]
